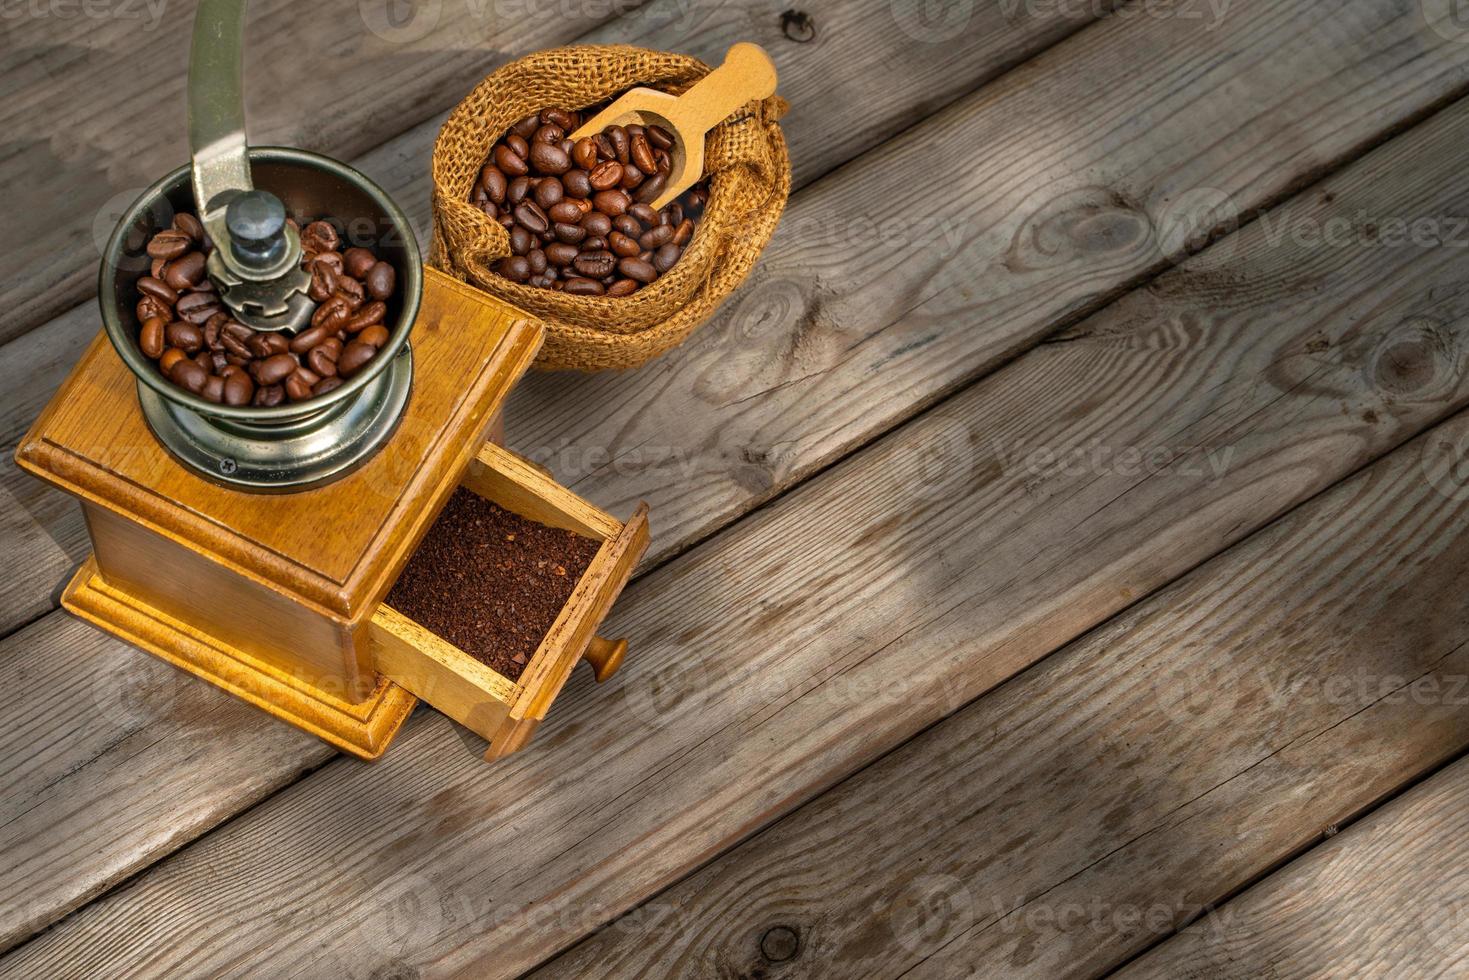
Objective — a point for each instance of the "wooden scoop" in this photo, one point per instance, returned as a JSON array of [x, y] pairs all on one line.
[[747, 73]]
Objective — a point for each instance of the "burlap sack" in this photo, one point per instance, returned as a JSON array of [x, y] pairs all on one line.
[[744, 157]]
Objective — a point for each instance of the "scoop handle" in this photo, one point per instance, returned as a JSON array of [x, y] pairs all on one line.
[[747, 73]]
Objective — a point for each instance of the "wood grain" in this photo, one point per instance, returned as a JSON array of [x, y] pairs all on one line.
[[903, 75], [1039, 199], [94, 109], [827, 628], [1385, 899], [857, 48], [1128, 784]]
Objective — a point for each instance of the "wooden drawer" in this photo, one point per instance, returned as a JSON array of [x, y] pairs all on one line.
[[504, 711]]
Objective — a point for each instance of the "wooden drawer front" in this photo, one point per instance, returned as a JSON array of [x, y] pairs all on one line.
[[504, 711]]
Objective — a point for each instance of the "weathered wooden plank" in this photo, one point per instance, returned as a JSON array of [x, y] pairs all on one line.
[[94, 109], [1384, 899], [1054, 189], [858, 45], [1132, 782], [96, 769], [824, 630], [44, 537]]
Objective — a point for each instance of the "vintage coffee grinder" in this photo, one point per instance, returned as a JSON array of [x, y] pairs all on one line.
[[254, 546]]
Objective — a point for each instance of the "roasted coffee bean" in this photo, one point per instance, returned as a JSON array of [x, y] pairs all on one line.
[[660, 137], [263, 345], [375, 335], [617, 136], [238, 389], [327, 384], [518, 190], [579, 286], [514, 267], [651, 188], [213, 389], [666, 255], [186, 336], [382, 279], [638, 269], [548, 133], [622, 245], [322, 360], [309, 338], [663, 160], [205, 360], [371, 313], [584, 153], [169, 358], [622, 287], [593, 244], [299, 384], [510, 162], [654, 237], [549, 192], [566, 119], [185, 271], [549, 158], [627, 225], [212, 328], [631, 177], [613, 202], [569, 233], [319, 236], [527, 126], [518, 145], [529, 215], [269, 396], [595, 265], [644, 214], [564, 212], [332, 260], [273, 369], [597, 224], [356, 262], [189, 225], [197, 307], [521, 240], [577, 183], [151, 306], [354, 356], [683, 232], [151, 337], [156, 267], [323, 282], [560, 253], [605, 175], [333, 313], [188, 375], [492, 179], [169, 244], [537, 259], [351, 290]]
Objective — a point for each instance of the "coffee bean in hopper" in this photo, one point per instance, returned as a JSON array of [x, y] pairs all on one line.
[[187, 329], [578, 212]]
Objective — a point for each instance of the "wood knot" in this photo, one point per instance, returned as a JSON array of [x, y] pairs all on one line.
[[798, 26], [1416, 360], [780, 944]]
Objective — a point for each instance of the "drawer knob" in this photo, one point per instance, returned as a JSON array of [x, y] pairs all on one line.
[[605, 656]]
